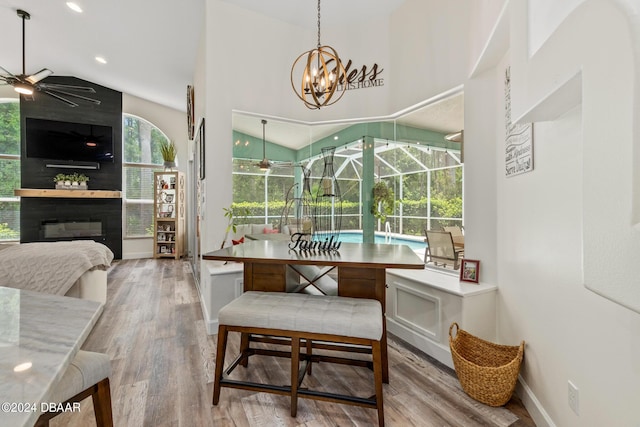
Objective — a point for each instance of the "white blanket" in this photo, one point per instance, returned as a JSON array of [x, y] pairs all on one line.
[[51, 267]]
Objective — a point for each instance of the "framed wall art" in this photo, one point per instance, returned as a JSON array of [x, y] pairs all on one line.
[[470, 270], [518, 150], [190, 116], [201, 149]]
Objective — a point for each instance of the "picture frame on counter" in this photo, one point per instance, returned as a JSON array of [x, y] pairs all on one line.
[[470, 270]]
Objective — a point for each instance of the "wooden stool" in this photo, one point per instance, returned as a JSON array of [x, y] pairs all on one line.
[[88, 375], [306, 318]]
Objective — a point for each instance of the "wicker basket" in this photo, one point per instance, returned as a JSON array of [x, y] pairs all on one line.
[[487, 372]]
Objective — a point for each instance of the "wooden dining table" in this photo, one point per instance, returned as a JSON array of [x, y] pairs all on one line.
[[360, 269]]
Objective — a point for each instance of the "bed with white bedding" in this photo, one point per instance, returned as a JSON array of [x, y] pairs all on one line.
[[77, 268]]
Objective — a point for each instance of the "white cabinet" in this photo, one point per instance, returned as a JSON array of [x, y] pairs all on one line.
[[422, 304], [221, 284]]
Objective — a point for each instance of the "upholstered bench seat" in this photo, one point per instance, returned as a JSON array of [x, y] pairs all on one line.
[[87, 375], [351, 317], [354, 323]]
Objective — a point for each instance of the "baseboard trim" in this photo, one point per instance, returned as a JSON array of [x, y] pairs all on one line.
[[137, 255], [533, 405], [210, 325]]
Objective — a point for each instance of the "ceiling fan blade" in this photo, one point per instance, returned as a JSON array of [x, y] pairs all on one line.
[[74, 95], [60, 98], [7, 72], [42, 74], [58, 87]]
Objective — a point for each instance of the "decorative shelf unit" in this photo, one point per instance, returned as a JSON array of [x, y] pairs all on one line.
[[169, 214]]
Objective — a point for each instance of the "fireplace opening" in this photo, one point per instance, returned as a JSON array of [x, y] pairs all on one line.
[[71, 229]]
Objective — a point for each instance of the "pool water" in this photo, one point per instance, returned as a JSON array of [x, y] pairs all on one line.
[[356, 237]]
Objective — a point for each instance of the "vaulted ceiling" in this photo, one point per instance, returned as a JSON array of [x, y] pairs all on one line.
[[151, 46]]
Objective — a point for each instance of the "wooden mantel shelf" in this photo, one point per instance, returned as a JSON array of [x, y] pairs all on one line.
[[86, 194]]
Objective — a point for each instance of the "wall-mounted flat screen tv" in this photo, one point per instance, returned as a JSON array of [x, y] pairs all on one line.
[[78, 142]]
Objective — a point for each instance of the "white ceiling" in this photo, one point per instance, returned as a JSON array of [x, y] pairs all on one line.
[[150, 45], [333, 12], [151, 51]]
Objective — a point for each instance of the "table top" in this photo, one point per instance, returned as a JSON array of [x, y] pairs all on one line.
[[268, 236], [371, 255], [40, 335]]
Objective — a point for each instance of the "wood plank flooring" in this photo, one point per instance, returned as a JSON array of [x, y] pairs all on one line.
[[163, 360]]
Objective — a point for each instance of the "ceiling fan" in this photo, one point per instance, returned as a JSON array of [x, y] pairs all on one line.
[[26, 85], [266, 164]]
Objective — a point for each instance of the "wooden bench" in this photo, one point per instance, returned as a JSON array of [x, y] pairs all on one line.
[[302, 320]]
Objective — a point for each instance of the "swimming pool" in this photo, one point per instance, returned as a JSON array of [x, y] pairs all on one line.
[[356, 237]]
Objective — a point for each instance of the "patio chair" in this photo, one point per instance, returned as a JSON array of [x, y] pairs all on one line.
[[456, 234], [441, 250]]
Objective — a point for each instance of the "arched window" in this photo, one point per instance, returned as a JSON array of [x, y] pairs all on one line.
[[9, 168], [142, 157]]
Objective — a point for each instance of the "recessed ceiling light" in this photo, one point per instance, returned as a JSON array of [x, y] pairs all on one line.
[[101, 60], [74, 6]]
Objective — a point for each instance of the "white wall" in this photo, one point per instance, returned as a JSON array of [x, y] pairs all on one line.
[[568, 224], [8, 92], [423, 66], [173, 124], [545, 16]]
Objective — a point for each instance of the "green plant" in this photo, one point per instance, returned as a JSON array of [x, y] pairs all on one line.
[[232, 213], [168, 150], [82, 178], [60, 177], [383, 201]]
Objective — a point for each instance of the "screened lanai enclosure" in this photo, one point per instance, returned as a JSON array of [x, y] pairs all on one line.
[[426, 182]]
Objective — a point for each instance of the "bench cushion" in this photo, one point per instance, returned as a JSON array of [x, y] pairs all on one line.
[[352, 317], [88, 368]]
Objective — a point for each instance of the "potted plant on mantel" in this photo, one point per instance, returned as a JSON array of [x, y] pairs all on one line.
[[60, 180], [82, 181], [169, 152], [75, 181]]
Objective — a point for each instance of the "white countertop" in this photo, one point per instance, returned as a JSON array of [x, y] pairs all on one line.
[[41, 333], [444, 281]]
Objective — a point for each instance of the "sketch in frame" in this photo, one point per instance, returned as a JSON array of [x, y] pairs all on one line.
[[518, 149]]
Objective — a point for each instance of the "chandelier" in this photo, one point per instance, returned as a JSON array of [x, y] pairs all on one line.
[[322, 74]]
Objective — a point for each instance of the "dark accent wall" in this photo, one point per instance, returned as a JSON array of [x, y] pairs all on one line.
[[35, 174], [34, 211]]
